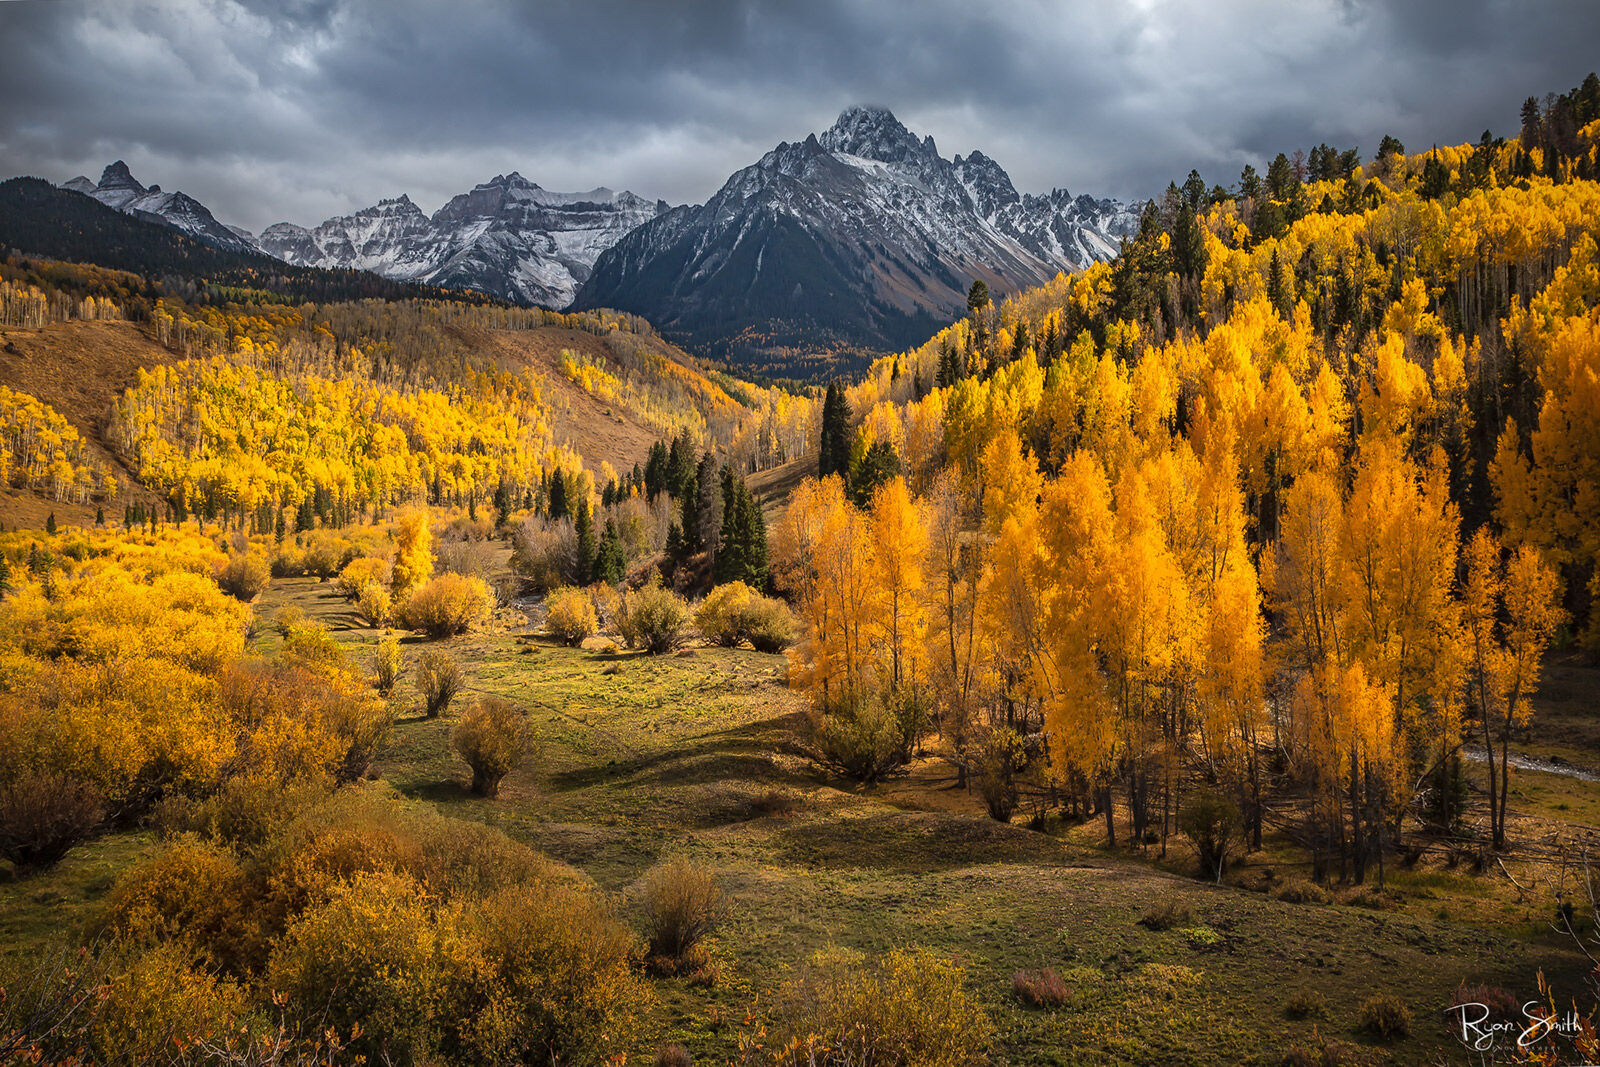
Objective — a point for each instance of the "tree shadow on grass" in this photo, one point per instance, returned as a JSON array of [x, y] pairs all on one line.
[[911, 842]]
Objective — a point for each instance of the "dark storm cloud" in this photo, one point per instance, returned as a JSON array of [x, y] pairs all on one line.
[[270, 110]]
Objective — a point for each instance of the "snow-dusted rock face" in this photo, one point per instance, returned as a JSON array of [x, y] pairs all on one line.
[[118, 189], [507, 237], [863, 236]]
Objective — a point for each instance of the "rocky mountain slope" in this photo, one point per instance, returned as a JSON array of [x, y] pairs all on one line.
[[861, 238], [117, 188], [507, 237]]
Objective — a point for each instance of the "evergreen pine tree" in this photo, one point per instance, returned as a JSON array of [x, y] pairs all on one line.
[[502, 503], [689, 510], [708, 521], [583, 523], [50, 523], [833, 453], [655, 471], [610, 565], [557, 507], [742, 554]]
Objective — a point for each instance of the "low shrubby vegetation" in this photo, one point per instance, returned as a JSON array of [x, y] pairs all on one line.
[[905, 1007], [348, 920], [446, 605], [682, 905], [438, 679], [733, 613], [653, 619], [492, 737], [571, 615]]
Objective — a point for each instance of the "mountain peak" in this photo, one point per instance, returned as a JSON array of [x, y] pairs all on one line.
[[873, 132], [118, 176]]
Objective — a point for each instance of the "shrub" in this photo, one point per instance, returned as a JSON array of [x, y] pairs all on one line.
[[1385, 1016], [438, 679], [43, 815], [553, 981], [719, 617], [543, 553], [672, 1055], [908, 1007], [653, 619], [769, 625], [1323, 1053], [190, 892], [861, 738], [681, 906], [288, 619], [1500, 1005], [571, 615], [1210, 821], [360, 573], [1165, 916], [388, 662], [492, 737], [733, 613], [470, 558], [1040, 989], [1300, 891], [157, 1002], [374, 604], [326, 554], [369, 954], [1001, 753], [449, 604], [1305, 1004], [244, 575]]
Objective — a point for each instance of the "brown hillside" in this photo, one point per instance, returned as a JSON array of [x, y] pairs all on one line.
[[599, 431], [78, 368]]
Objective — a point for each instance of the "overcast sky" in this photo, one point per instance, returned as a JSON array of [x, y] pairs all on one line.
[[301, 109]]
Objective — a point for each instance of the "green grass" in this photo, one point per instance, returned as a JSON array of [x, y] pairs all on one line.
[[668, 755]]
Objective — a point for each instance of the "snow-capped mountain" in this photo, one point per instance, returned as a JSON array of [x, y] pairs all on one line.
[[507, 237], [864, 236], [118, 189]]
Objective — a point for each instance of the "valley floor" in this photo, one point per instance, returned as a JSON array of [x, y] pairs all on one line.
[[641, 758]]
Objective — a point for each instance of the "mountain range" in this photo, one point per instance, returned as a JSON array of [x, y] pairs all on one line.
[[507, 237], [862, 238]]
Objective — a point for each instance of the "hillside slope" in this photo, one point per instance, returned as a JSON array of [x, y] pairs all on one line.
[[78, 368]]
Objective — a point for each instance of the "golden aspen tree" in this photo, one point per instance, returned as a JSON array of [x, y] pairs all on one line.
[[898, 538], [413, 560]]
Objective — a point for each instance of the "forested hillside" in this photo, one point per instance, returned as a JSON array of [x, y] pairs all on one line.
[[1289, 498]]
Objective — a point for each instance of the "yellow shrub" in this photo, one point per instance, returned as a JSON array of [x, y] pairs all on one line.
[[190, 892], [719, 615], [158, 1002], [492, 737], [371, 954], [359, 573], [244, 576], [374, 604], [907, 1007], [449, 604], [555, 979], [571, 615]]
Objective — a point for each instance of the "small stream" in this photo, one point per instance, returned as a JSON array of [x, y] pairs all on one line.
[[1533, 763]]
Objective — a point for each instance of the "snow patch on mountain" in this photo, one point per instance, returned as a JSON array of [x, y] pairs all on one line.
[[119, 189], [507, 236]]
